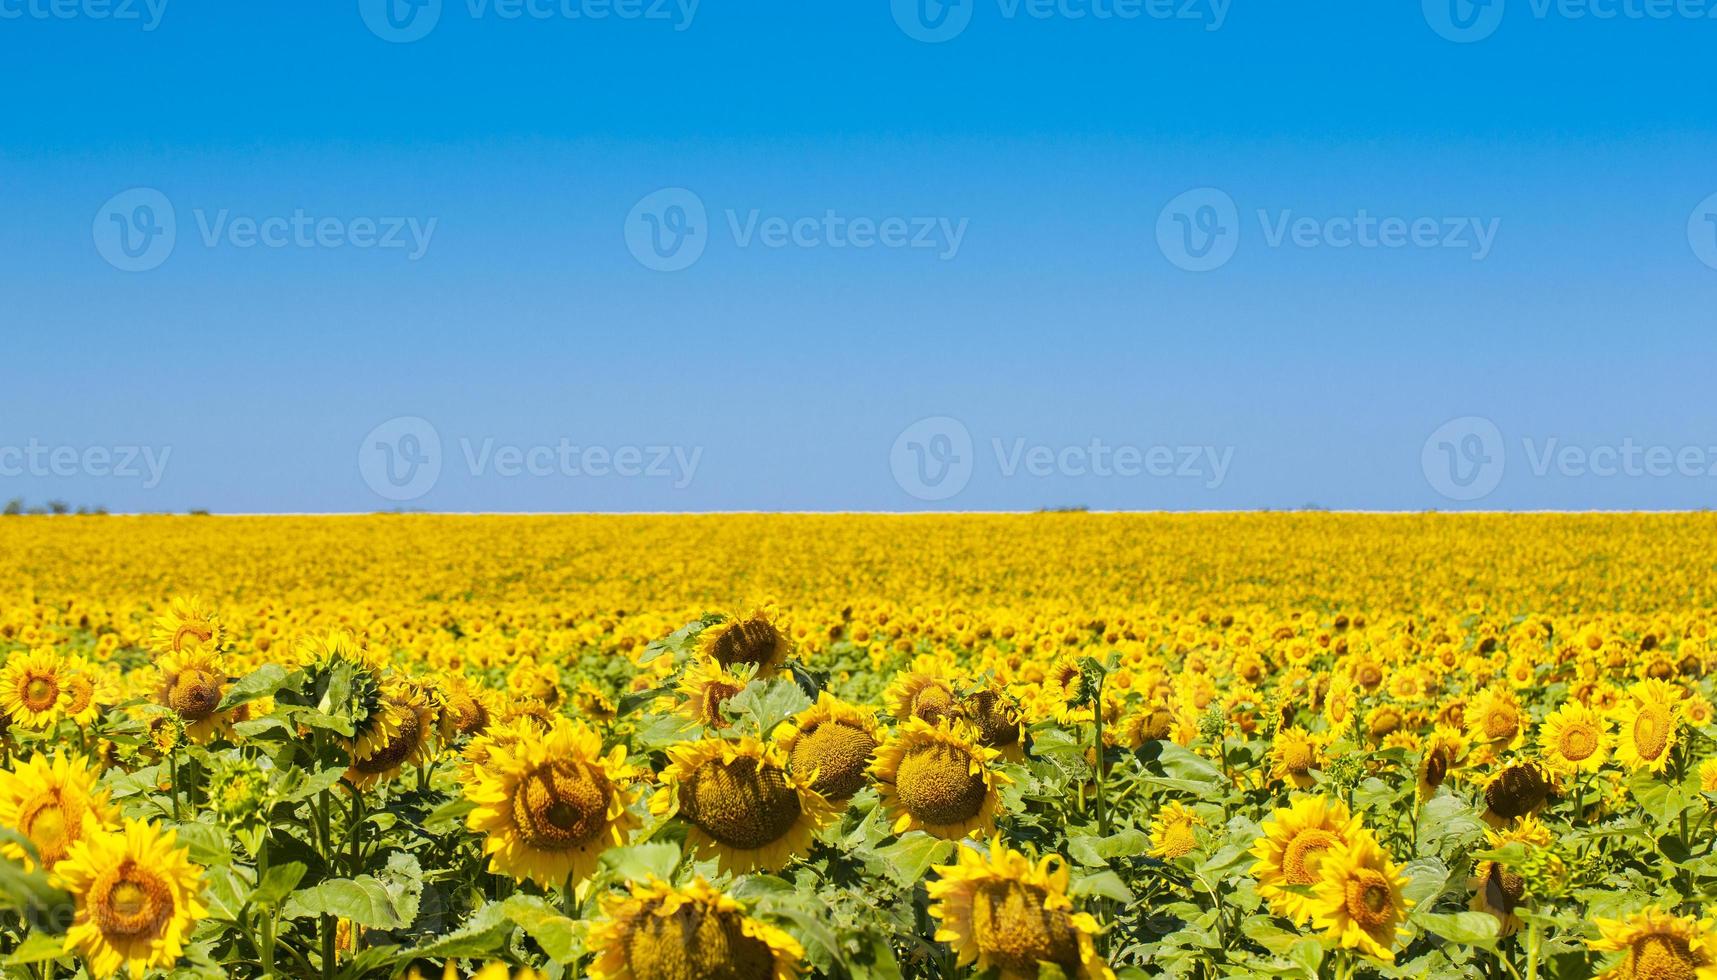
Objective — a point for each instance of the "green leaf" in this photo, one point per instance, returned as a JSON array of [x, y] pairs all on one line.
[[278, 883], [1103, 884], [260, 683], [483, 934], [555, 933], [1425, 879], [911, 857], [1094, 852], [38, 948], [364, 900], [1467, 928], [765, 704], [640, 861]]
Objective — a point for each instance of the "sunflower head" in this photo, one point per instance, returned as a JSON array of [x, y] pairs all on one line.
[[550, 805], [33, 688], [464, 711], [192, 683], [660, 932], [186, 626], [1296, 840], [744, 807], [706, 687], [1293, 756], [1515, 789], [831, 744], [1007, 912], [926, 695], [1358, 901], [1499, 889], [994, 716], [1659, 946], [1440, 757], [1648, 719], [54, 803], [410, 726], [939, 779], [137, 898], [1575, 738], [1174, 832], [753, 640], [1494, 717]]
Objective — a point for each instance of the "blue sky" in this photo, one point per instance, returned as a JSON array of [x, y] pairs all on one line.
[[1560, 168]]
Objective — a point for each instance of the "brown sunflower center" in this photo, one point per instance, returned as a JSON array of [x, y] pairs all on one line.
[[561, 805], [694, 943], [838, 754], [397, 749], [1436, 767], [1503, 888], [1651, 731], [1015, 931], [994, 718], [1515, 792], [1578, 742], [1369, 901], [128, 902], [465, 714], [195, 694], [740, 803], [1663, 957], [41, 691], [1156, 724], [1500, 723], [936, 784], [754, 641], [1300, 858], [932, 703], [1369, 676]]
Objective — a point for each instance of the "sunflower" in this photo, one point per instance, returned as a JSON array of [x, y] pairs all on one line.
[[1659, 946], [1574, 738], [1174, 832], [1517, 788], [920, 694], [136, 894], [938, 779], [1006, 912], [501, 735], [1383, 721], [1441, 755], [550, 805], [996, 719], [1499, 889], [1494, 719], [33, 688], [192, 682], [1648, 717], [706, 687], [831, 744], [753, 640], [463, 707], [53, 803], [412, 724], [1152, 721], [186, 626], [1708, 776], [1357, 901], [1295, 840], [659, 932], [1293, 756], [743, 806]]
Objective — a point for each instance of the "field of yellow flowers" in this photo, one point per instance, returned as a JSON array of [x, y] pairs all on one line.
[[752, 747]]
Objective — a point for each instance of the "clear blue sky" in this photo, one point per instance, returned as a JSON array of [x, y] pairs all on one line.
[[1053, 142]]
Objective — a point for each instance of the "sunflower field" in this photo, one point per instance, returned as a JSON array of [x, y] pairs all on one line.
[[760, 747]]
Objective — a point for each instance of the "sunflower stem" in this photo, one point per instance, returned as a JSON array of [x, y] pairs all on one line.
[[173, 777], [357, 832]]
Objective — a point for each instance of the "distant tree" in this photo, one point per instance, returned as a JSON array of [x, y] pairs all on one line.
[[14, 507], [199, 512], [58, 507]]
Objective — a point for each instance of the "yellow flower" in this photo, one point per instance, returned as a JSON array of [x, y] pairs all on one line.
[[1358, 901], [1574, 739], [412, 724], [1515, 789], [938, 779], [1708, 776], [186, 627], [1293, 756], [1174, 832], [706, 687], [831, 744], [1498, 889], [920, 694], [1659, 946], [32, 688], [1296, 839], [54, 803], [549, 806], [1647, 718], [1441, 755], [192, 684], [743, 807], [659, 932], [754, 640], [1494, 718], [136, 894], [1005, 912]]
